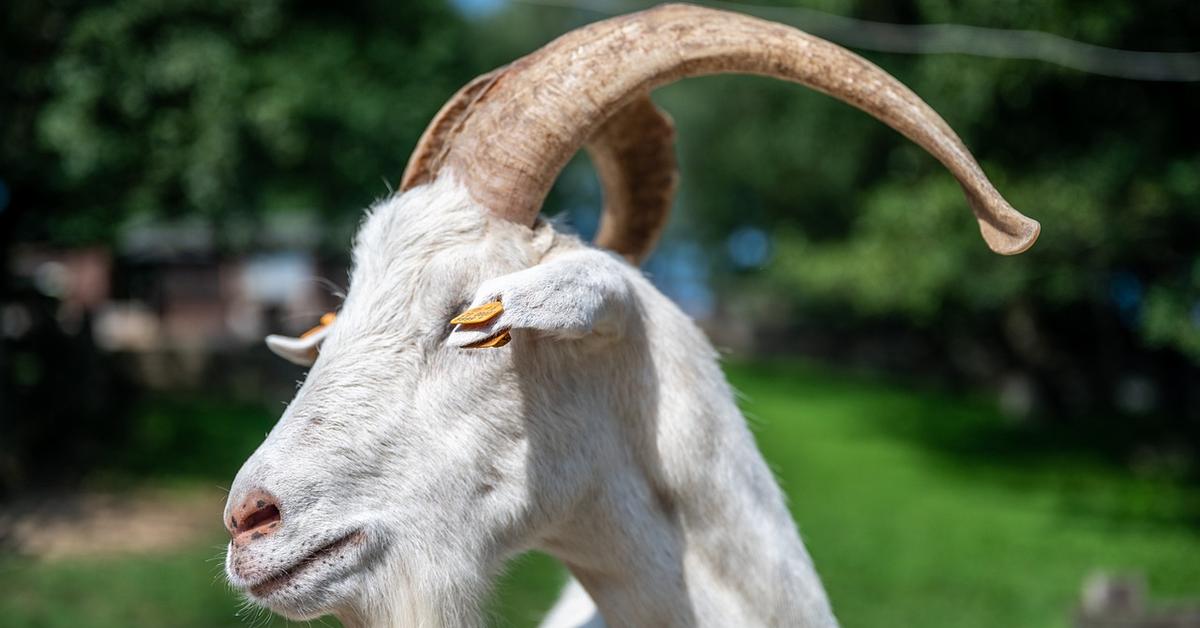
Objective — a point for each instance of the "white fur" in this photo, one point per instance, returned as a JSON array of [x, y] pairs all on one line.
[[574, 609], [605, 434]]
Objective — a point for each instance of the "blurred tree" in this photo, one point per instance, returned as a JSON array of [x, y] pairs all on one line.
[[868, 228], [226, 110], [236, 111]]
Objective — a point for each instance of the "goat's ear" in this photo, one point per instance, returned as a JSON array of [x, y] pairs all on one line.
[[569, 296], [302, 350]]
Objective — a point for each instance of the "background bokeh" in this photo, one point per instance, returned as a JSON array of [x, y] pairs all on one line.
[[966, 440]]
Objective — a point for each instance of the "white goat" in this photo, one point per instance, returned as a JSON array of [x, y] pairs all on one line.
[[412, 464]]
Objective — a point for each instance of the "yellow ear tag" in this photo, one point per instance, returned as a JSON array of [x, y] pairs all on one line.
[[478, 315], [326, 320], [495, 342]]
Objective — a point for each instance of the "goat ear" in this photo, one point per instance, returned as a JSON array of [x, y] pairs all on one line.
[[302, 350], [570, 296]]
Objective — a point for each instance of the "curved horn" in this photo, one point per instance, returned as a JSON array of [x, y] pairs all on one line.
[[431, 149], [633, 153], [526, 120]]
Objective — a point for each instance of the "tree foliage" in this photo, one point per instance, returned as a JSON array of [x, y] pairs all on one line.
[[864, 219], [231, 110], [239, 111]]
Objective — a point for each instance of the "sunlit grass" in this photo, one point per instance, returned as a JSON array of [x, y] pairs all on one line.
[[924, 509], [920, 509]]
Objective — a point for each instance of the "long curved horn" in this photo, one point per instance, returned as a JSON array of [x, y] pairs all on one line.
[[526, 120], [633, 153]]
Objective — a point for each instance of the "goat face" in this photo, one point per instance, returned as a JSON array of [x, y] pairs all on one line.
[[403, 467]]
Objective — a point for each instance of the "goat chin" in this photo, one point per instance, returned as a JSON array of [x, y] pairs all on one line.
[[402, 602]]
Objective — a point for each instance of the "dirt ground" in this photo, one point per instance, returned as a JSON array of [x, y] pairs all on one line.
[[99, 523]]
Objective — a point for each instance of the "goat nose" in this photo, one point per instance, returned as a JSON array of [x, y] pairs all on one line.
[[255, 516]]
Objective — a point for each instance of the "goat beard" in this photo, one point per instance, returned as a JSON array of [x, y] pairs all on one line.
[[433, 596]]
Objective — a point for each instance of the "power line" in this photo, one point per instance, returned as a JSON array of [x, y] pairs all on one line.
[[950, 39]]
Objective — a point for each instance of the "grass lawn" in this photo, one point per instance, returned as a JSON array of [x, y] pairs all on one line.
[[920, 509]]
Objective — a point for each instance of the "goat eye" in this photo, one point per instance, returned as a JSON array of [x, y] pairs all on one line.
[[454, 310]]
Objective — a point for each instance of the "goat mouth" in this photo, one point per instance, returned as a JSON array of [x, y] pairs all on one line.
[[285, 576]]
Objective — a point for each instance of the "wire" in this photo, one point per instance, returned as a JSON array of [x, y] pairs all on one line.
[[950, 39]]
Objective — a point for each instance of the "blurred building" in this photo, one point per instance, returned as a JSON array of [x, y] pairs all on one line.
[[169, 301]]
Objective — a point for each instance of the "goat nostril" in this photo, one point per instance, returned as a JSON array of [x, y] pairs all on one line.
[[256, 515], [260, 519]]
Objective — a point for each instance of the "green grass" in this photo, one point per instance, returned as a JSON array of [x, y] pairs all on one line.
[[920, 509], [923, 509]]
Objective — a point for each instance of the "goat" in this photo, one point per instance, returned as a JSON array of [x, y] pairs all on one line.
[[419, 455]]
